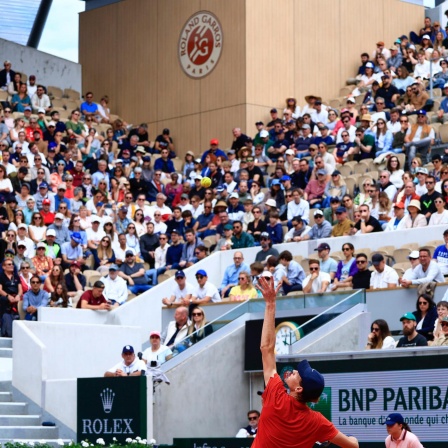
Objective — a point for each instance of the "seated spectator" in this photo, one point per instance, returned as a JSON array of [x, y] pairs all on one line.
[[441, 337], [181, 293], [427, 271], [231, 274], [258, 225], [59, 298], [72, 251], [157, 352], [441, 254], [61, 230], [241, 239], [251, 429], [129, 366], [414, 218], [346, 268], [42, 263], [364, 142], [317, 281], [321, 229], [315, 190], [134, 274], [383, 276], [205, 291], [419, 138], [343, 225], [411, 338], [21, 258], [414, 259], [380, 336], [440, 215], [298, 230], [199, 328], [94, 299], [235, 209], [188, 257], [342, 149], [244, 290], [386, 185], [397, 222], [361, 279], [298, 206], [266, 248], [294, 277], [274, 228], [34, 298], [407, 194], [367, 223], [426, 316], [177, 329], [115, 288], [225, 242]]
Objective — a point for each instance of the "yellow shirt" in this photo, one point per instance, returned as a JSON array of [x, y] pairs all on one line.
[[237, 294], [342, 229]]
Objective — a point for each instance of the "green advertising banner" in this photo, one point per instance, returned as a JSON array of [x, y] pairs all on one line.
[[111, 407]]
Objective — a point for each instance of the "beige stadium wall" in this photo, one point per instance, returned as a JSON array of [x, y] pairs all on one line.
[[272, 49]]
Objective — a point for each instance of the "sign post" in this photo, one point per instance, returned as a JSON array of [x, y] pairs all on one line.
[[112, 408]]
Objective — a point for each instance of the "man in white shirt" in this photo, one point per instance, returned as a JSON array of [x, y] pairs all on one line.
[[120, 249], [160, 206], [397, 222], [40, 100], [181, 292], [386, 185], [316, 282], [383, 276], [205, 291], [159, 259], [129, 366], [115, 287], [427, 271], [422, 68], [417, 138]]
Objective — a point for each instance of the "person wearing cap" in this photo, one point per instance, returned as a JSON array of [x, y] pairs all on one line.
[[388, 92], [115, 288], [399, 433], [53, 249], [164, 141], [396, 58], [427, 271], [266, 248], [343, 224], [286, 419], [214, 149], [441, 254], [42, 263], [34, 298], [367, 79], [303, 142], [206, 291], [72, 251], [44, 193], [225, 242], [321, 228], [134, 274], [414, 259], [21, 257], [181, 292], [411, 338], [383, 276], [62, 232], [130, 365], [157, 352], [327, 264], [420, 186], [397, 222]]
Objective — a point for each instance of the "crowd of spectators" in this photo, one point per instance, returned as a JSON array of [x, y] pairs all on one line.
[[77, 197]]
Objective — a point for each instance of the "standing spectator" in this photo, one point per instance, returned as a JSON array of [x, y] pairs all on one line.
[[411, 338], [383, 276], [295, 275]]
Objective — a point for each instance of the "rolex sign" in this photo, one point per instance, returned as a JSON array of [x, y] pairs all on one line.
[[111, 408]]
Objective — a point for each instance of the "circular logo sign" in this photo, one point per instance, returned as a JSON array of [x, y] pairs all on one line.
[[200, 44]]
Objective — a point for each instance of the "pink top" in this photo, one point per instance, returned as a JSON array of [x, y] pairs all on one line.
[[406, 440]]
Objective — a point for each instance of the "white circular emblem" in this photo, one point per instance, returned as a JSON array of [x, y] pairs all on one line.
[[200, 44]]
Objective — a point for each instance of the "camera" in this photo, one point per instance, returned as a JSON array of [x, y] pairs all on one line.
[[153, 364]]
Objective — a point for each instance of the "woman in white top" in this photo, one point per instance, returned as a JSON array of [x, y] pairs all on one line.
[[19, 126], [37, 229], [5, 183], [84, 217], [441, 215], [132, 239], [396, 173], [256, 193], [414, 218], [380, 337]]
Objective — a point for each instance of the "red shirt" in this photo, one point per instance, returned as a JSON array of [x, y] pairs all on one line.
[[88, 297], [77, 177], [47, 217], [286, 423]]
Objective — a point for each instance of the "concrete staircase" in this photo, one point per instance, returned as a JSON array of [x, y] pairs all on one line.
[[15, 421]]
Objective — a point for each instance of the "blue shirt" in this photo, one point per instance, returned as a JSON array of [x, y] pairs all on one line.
[[58, 200], [72, 253], [444, 105], [232, 273], [218, 152], [36, 300], [90, 108], [295, 273]]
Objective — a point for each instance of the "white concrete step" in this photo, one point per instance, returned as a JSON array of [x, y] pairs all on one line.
[[13, 409], [20, 420], [5, 386], [5, 352], [5, 343], [5, 397], [29, 432]]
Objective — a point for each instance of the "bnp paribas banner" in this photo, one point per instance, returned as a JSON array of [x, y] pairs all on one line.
[[358, 402]]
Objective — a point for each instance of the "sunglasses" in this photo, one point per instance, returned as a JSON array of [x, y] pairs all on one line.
[[253, 418], [423, 303], [376, 329], [345, 249], [361, 261], [199, 276], [314, 269], [196, 314], [444, 324], [35, 282]]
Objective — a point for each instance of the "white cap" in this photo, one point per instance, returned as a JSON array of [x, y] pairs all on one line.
[[95, 219], [425, 36], [414, 254], [289, 152], [271, 203], [350, 99], [59, 216], [41, 110], [234, 195], [198, 176], [264, 133], [51, 232]]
